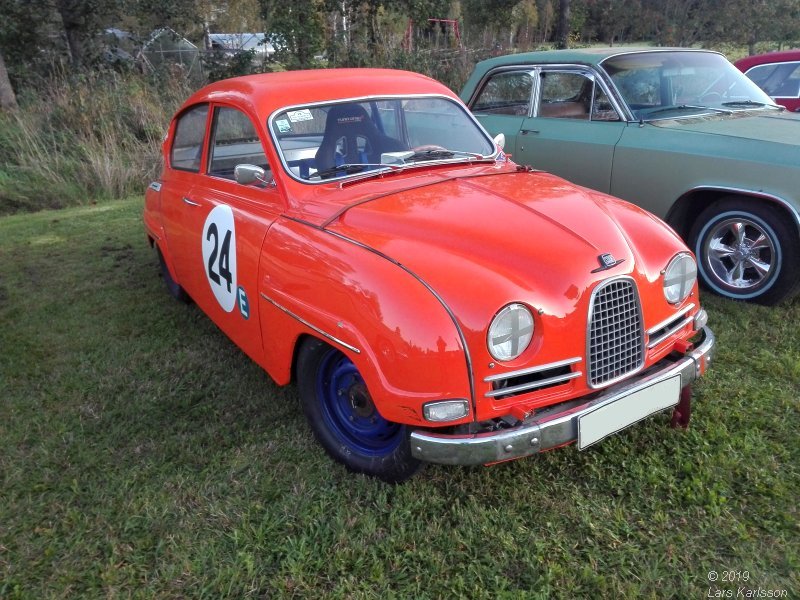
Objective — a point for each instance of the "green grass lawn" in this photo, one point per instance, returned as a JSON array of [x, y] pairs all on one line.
[[143, 455]]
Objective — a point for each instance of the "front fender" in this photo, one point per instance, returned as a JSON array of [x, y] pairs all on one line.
[[397, 332]]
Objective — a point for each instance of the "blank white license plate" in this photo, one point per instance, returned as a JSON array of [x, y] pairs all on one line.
[[611, 418]]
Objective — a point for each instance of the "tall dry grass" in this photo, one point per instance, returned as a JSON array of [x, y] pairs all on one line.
[[76, 139]]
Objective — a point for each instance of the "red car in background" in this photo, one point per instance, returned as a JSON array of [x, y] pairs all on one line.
[[778, 74]]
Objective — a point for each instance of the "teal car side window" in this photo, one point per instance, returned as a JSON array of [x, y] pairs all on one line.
[[507, 93]]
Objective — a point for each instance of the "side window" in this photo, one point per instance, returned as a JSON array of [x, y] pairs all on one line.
[[505, 94], [602, 109], [565, 95], [234, 141], [187, 144]]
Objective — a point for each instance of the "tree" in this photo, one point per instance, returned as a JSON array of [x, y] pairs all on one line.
[[8, 100], [298, 28], [562, 33]]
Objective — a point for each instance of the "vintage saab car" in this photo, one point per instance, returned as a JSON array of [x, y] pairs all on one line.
[[681, 133], [777, 73], [358, 231]]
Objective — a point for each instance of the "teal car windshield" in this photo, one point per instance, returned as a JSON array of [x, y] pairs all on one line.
[[663, 85], [322, 142]]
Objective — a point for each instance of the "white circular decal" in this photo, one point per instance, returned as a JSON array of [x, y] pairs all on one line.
[[219, 255]]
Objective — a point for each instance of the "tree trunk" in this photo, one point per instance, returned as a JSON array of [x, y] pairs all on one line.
[[562, 35], [72, 20], [8, 100]]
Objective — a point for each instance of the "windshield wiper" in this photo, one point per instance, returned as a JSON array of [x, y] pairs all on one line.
[[443, 153], [686, 107], [749, 103], [349, 169]]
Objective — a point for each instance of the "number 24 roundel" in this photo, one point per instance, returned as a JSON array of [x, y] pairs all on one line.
[[219, 255]]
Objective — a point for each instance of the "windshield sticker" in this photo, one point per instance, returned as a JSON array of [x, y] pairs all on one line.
[[283, 125], [300, 115]]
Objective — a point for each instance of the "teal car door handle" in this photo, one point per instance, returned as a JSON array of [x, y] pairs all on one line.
[[527, 131]]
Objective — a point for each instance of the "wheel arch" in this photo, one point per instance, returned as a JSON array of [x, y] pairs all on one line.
[[379, 314], [683, 214]]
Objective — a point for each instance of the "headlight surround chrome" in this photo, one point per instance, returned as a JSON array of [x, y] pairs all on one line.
[[679, 278], [510, 332]]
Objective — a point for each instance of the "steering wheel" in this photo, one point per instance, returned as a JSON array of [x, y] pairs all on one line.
[[711, 97]]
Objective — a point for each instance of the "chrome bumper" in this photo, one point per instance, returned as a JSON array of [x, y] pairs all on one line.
[[555, 428]]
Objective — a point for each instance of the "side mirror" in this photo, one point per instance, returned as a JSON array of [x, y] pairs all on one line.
[[247, 174], [500, 140]]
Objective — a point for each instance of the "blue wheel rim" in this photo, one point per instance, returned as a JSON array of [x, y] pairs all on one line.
[[349, 411]]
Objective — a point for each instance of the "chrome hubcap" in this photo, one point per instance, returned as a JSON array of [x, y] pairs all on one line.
[[739, 253]]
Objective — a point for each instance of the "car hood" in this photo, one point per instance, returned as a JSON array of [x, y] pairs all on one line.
[[482, 242], [772, 126]]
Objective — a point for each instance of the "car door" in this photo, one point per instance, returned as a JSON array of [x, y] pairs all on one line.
[[574, 127], [229, 223], [215, 226], [503, 103], [181, 175]]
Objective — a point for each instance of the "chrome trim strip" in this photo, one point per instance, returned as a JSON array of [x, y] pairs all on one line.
[[669, 320], [190, 202], [655, 342], [532, 370], [309, 325], [552, 430], [533, 385], [758, 194], [434, 293], [456, 101]]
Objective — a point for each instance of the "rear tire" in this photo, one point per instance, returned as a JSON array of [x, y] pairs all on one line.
[[173, 287], [344, 419], [747, 250]]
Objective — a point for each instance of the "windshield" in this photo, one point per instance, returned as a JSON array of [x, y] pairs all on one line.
[[660, 85], [330, 141]]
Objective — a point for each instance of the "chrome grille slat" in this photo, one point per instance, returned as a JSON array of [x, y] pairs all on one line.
[[616, 335]]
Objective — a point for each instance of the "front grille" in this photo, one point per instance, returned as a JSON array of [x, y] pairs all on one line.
[[615, 332]]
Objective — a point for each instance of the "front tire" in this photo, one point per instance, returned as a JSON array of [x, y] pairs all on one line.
[[344, 418], [746, 250]]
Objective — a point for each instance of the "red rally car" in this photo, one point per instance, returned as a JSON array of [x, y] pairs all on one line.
[[358, 231]]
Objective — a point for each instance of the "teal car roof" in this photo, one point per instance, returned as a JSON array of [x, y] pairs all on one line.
[[588, 56]]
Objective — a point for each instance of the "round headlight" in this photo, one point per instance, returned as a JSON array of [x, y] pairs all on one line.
[[679, 278], [511, 332]]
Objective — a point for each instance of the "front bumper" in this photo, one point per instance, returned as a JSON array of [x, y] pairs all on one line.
[[551, 428]]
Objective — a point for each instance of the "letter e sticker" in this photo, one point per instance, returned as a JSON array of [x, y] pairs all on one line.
[[219, 255], [244, 304]]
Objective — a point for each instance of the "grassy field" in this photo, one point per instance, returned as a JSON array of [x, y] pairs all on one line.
[[143, 455]]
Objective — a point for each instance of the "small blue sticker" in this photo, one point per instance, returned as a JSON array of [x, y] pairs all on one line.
[[244, 305]]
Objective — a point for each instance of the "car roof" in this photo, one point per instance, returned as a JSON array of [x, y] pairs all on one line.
[[770, 57], [587, 56], [267, 92]]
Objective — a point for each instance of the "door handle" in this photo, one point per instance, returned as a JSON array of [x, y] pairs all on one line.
[[527, 131], [189, 202]]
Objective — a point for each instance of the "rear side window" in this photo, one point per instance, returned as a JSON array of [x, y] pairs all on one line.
[[187, 145]]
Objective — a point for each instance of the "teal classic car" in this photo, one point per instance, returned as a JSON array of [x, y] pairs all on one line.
[[680, 132]]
